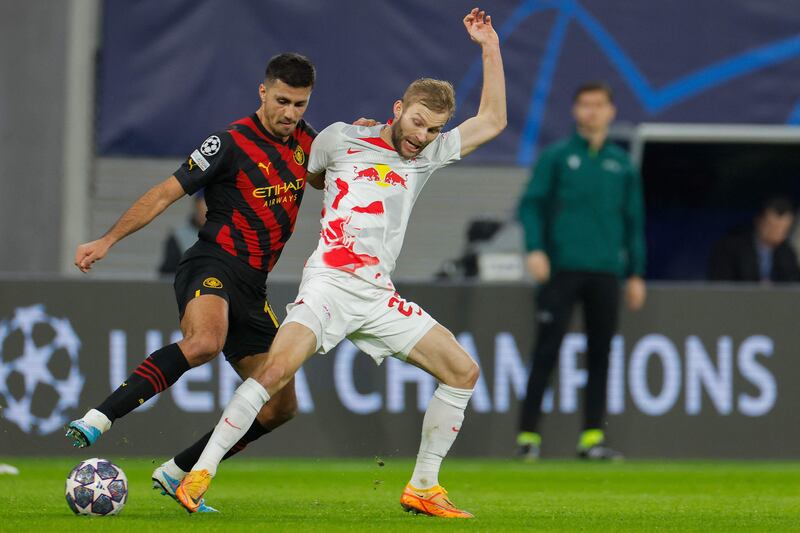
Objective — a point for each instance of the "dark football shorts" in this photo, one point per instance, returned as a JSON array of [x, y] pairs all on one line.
[[205, 269]]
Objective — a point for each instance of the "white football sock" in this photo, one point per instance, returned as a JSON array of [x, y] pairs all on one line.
[[173, 470], [440, 428], [237, 417], [97, 419]]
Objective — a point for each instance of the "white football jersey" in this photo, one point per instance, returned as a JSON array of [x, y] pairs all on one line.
[[369, 193]]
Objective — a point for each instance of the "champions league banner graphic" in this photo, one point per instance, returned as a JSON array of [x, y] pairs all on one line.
[[748, 73], [699, 373]]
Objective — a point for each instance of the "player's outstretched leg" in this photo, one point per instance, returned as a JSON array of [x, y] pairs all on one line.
[[280, 409], [204, 327], [439, 354], [293, 345]]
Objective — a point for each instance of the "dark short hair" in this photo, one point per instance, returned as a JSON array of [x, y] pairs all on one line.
[[778, 204], [591, 87], [292, 69]]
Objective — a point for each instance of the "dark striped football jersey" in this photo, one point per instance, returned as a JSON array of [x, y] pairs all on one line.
[[253, 183]]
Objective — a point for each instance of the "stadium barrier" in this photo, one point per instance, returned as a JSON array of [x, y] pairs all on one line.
[[702, 372]]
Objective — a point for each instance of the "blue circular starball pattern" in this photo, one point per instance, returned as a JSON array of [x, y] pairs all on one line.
[[33, 366], [102, 505], [117, 490], [85, 475], [84, 496], [106, 470], [71, 503]]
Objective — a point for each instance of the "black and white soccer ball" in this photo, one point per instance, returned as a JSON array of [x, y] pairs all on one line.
[[97, 487]]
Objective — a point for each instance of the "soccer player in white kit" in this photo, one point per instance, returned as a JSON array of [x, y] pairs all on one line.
[[372, 179]]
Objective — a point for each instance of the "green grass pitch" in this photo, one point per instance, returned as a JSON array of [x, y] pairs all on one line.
[[359, 495]]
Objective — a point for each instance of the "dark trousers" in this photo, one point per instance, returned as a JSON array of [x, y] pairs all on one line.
[[555, 300]]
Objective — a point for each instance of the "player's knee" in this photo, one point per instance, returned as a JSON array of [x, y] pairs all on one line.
[[200, 348], [465, 376], [273, 376], [470, 375]]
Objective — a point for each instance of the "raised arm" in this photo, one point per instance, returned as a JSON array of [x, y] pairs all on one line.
[[144, 210], [491, 118]]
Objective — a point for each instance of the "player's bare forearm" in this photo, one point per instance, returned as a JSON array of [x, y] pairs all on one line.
[[316, 180], [145, 209], [492, 108], [491, 118]]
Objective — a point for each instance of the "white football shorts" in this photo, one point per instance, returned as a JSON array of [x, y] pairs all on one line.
[[336, 305]]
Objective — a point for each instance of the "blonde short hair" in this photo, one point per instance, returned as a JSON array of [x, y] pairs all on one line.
[[437, 95]]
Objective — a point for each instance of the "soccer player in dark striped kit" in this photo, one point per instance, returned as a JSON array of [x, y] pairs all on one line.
[[253, 174]]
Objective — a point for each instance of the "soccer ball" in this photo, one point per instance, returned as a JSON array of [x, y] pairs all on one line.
[[97, 487]]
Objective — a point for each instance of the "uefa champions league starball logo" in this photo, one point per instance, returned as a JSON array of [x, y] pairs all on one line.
[[39, 375], [210, 146]]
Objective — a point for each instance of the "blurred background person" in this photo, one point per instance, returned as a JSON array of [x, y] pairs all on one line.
[[182, 237], [760, 252], [583, 219]]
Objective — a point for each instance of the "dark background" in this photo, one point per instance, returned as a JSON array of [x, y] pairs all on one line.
[[488, 314], [172, 72]]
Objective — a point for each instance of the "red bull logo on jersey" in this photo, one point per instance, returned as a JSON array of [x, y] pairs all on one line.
[[381, 175]]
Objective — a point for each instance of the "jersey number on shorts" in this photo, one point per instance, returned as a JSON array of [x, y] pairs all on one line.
[[405, 308]]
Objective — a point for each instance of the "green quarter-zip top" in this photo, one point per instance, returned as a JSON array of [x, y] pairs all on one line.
[[584, 209]]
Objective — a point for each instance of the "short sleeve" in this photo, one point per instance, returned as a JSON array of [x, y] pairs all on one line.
[[211, 162], [445, 149], [324, 144]]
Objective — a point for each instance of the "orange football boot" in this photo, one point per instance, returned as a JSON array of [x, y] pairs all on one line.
[[193, 486], [432, 501]]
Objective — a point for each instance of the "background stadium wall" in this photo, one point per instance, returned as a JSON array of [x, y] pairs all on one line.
[[748, 73], [32, 133], [52, 197], [702, 372], [436, 232]]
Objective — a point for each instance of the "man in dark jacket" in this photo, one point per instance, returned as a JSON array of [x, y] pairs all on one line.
[[583, 217], [761, 253], [183, 237]]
